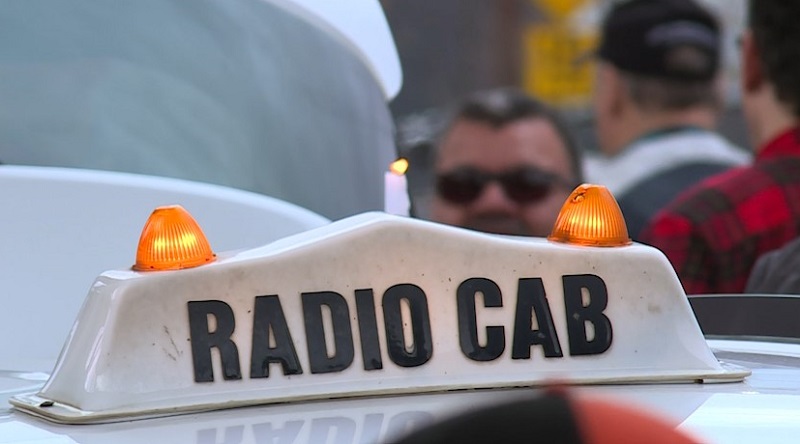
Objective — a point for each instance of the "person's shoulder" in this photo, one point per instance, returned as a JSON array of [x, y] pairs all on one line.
[[741, 183], [777, 271], [693, 209], [714, 188], [717, 148]]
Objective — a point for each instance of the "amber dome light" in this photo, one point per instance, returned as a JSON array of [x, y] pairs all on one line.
[[172, 240], [591, 216]]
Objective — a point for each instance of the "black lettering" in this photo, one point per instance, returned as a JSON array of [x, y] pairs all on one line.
[[578, 315], [468, 321], [203, 340], [318, 357], [368, 330], [422, 346], [268, 318], [531, 298]]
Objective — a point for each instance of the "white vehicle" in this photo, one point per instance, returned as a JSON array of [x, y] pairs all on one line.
[[293, 329]]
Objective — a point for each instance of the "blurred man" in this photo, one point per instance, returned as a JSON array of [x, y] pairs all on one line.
[[656, 105], [714, 233], [505, 164]]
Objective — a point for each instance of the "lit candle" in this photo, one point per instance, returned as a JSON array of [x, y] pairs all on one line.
[[395, 188]]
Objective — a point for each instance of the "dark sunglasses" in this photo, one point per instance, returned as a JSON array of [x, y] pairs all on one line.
[[523, 185]]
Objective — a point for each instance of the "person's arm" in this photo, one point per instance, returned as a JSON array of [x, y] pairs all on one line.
[[680, 241]]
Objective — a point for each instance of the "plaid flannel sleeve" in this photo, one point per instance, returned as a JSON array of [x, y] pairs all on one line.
[[679, 240]]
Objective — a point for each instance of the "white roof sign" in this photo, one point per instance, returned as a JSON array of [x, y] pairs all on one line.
[[374, 304]]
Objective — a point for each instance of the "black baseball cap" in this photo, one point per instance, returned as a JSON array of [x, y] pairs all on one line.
[[673, 39]]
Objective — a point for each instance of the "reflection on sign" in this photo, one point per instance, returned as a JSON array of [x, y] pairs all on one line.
[[371, 428]]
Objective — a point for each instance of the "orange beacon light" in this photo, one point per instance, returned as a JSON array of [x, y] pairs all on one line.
[[591, 217], [172, 240]]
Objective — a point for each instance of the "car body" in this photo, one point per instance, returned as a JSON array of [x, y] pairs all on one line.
[[65, 227]]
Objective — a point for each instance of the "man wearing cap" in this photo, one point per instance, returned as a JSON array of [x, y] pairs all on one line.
[[714, 233], [505, 164], [656, 105]]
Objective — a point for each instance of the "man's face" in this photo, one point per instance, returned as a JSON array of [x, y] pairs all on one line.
[[533, 162]]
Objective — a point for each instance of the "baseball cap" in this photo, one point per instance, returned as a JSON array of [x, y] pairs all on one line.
[[555, 416], [674, 39]]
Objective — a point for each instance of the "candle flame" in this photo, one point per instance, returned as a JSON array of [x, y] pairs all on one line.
[[399, 166]]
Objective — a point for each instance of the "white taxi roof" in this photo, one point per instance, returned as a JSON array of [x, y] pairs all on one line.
[[762, 407]]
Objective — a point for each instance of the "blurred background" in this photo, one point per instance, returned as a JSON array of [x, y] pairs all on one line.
[[449, 48]]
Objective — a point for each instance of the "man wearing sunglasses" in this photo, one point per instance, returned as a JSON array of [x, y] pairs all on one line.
[[505, 164]]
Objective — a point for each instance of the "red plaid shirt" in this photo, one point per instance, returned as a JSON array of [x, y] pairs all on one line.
[[714, 232]]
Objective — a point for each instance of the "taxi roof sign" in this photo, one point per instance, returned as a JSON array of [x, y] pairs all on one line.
[[374, 304]]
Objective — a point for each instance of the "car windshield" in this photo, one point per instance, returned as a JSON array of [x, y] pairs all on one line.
[[247, 94]]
